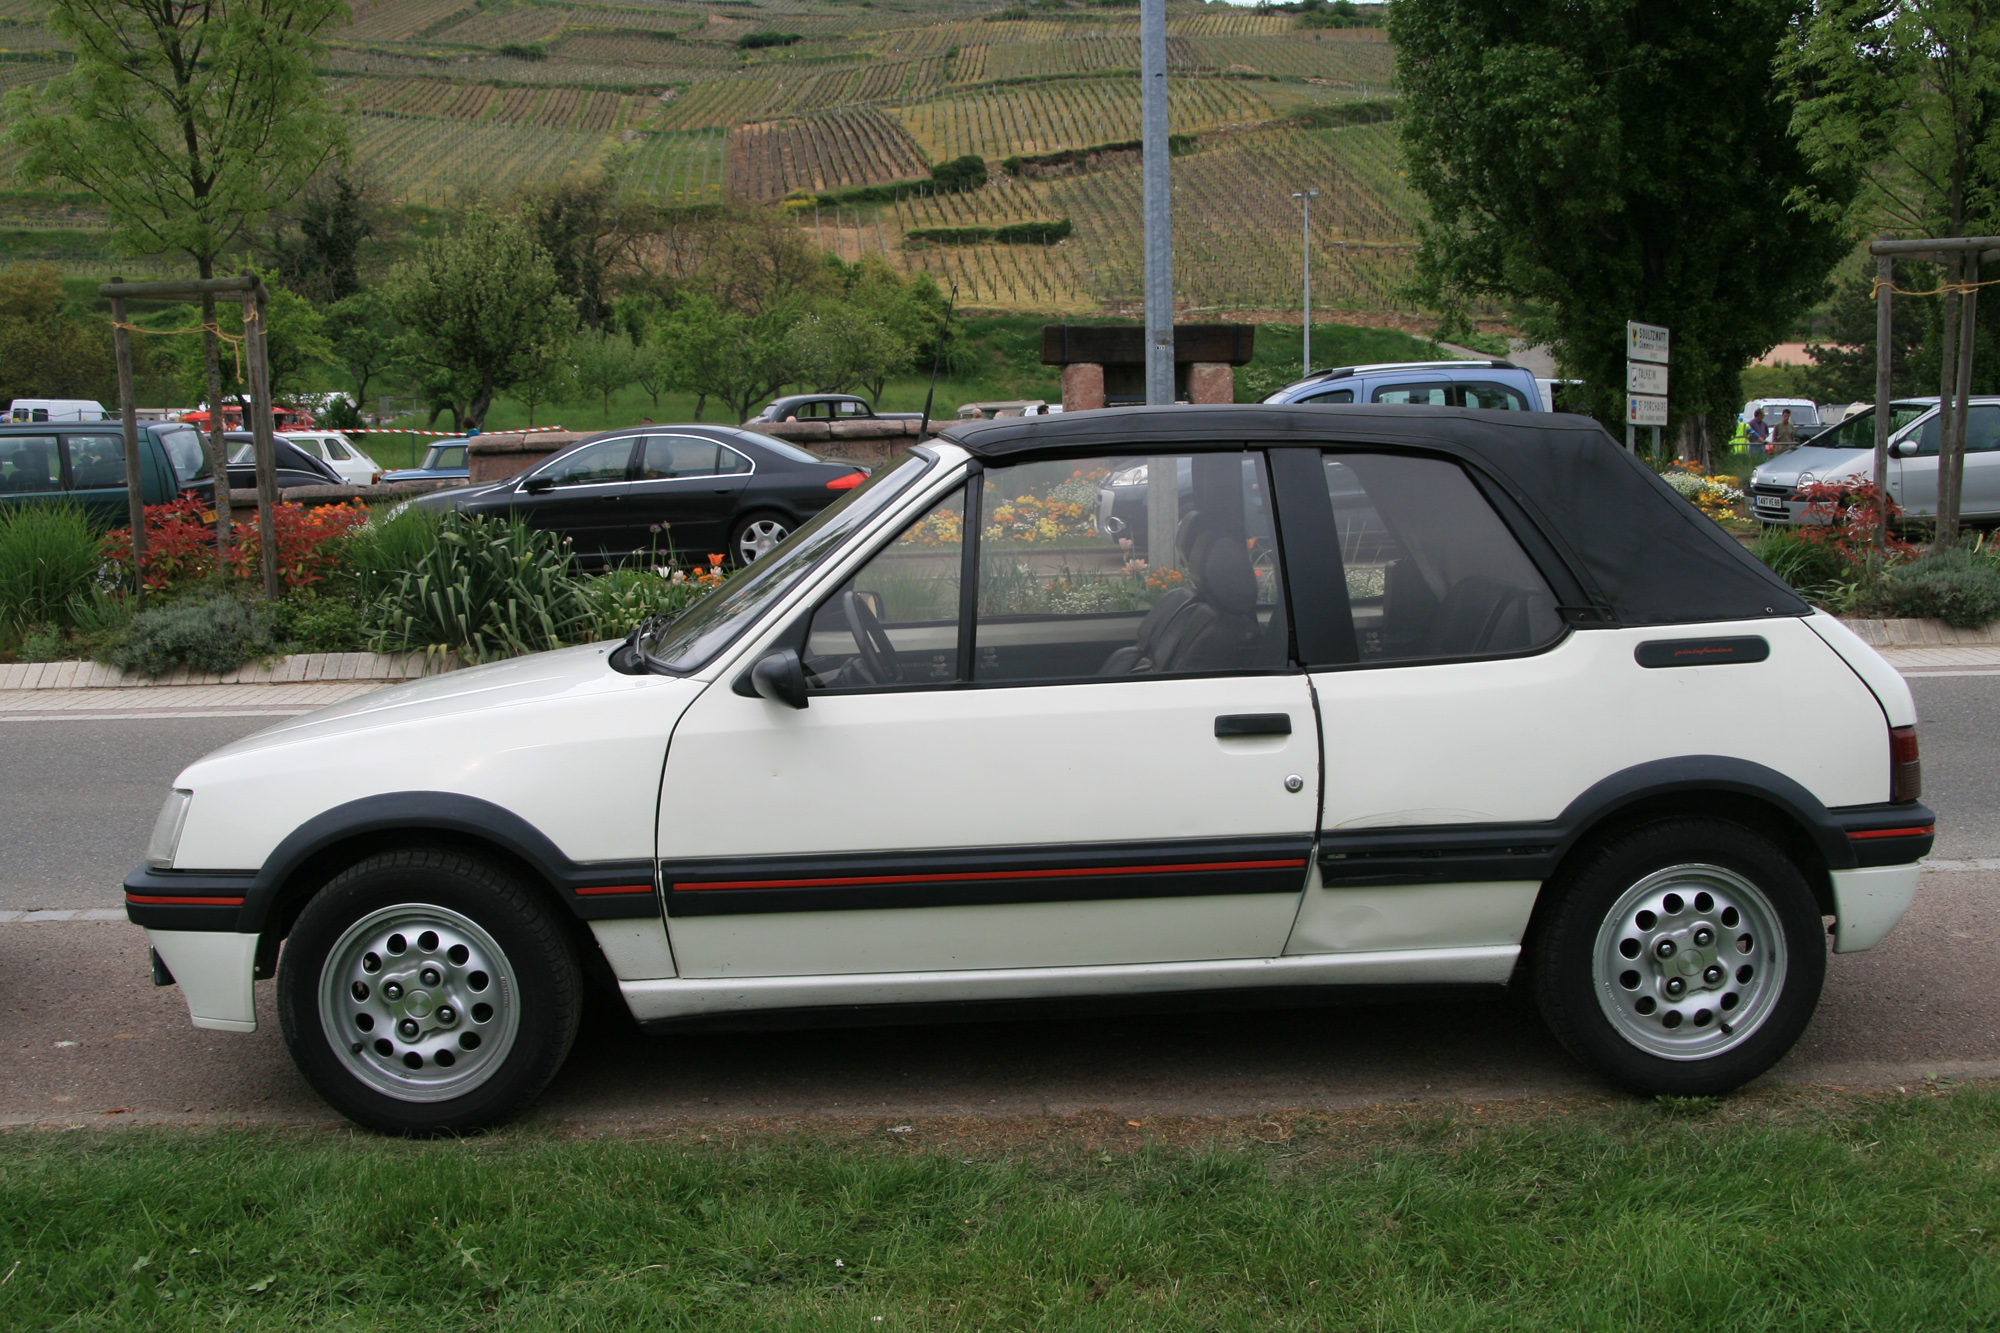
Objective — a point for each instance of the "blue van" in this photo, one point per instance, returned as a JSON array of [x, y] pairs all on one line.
[[1501, 385]]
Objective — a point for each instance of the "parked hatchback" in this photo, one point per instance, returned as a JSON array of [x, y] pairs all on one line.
[[1845, 456], [967, 750], [655, 491], [1496, 385]]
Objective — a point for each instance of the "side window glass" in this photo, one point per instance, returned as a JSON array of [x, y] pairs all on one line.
[[667, 457], [335, 449], [96, 462], [896, 621], [1413, 395], [1982, 430], [729, 463], [1431, 570], [1496, 396], [1128, 567], [1337, 396], [29, 464], [186, 451], [452, 457], [310, 444], [592, 465], [1927, 438]]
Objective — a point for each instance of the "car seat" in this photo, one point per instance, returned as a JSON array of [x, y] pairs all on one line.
[[1210, 626], [1479, 615]]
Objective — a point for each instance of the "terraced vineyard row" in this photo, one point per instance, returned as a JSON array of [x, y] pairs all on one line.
[[1048, 118], [742, 99], [1304, 55], [493, 27], [1084, 55], [554, 108], [859, 146], [399, 20], [679, 168], [445, 163], [1231, 25]]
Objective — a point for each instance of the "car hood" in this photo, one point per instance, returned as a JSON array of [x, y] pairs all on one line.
[[567, 674], [1784, 470]]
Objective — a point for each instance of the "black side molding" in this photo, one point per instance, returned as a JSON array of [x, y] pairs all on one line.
[[1702, 652], [1254, 724]]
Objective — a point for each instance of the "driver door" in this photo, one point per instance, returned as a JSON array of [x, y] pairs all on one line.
[[1101, 757]]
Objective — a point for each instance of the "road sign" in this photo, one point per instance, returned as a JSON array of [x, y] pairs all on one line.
[[1644, 377], [1645, 342], [1645, 409]]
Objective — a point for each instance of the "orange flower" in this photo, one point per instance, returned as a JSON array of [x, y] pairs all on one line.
[[714, 560]]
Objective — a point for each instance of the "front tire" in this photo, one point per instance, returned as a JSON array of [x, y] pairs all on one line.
[[1682, 958], [424, 992], [755, 535]]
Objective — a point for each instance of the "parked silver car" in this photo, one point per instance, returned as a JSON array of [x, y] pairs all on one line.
[[1844, 451]]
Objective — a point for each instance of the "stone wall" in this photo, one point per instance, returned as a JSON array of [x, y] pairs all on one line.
[[505, 454], [869, 443]]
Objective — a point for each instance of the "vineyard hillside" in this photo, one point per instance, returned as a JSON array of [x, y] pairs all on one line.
[[800, 103]]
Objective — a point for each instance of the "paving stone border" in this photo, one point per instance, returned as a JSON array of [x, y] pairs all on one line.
[[294, 669], [1919, 633]]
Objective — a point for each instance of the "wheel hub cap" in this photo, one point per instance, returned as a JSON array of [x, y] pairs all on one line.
[[419, 1002], [1687, 962]]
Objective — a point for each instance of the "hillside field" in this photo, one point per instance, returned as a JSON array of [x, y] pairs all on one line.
[[453, 100]]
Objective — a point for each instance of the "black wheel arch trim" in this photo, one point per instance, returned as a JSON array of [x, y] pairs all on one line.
[[592, 890], [1451, 853]]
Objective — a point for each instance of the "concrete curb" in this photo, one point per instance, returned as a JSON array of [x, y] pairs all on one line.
[[1919, 633], [294, 669]]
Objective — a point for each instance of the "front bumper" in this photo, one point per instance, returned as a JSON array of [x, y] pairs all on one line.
[[214, 969]]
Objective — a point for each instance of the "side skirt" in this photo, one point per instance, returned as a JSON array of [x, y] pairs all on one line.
[[665, 1002]]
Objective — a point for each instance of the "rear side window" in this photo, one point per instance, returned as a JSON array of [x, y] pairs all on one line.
[[666, 457], [96, 462], [1498, 397], [1414, 395], [29, 464], [1336, 396], [1432, 573]]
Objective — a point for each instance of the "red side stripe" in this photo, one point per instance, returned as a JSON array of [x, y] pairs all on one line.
[[1892, 832], [160, 900], [966, 875], [616, 888]]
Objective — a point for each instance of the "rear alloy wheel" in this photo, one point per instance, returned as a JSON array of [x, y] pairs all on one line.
[[424, 992], [1683, 958], [755, 536]]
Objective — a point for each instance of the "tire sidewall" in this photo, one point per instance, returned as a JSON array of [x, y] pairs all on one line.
[[1564, 952], [544, 971]]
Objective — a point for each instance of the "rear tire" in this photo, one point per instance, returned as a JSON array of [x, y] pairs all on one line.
[[754, 535], [1682, 957], [424, 992]]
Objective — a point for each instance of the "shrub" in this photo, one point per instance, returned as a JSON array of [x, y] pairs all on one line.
[[48, 557], [209, 634], [961, 173], [180, 544], [377, 554], [485, 588], [753, 41], [1806, 564], [321, 625], [42, 644], [615, 602], [524, 51], [1958, 587]]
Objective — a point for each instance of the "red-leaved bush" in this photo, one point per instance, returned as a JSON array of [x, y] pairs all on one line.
[[1845, 517], [180, 543]]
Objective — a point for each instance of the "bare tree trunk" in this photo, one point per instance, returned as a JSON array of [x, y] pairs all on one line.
[[1951, 448], [1947, 401], [218, 456]]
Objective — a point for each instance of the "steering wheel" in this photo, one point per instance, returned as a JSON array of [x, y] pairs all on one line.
[[878, 656]]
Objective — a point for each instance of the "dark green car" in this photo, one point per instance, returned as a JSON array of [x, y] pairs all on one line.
[[84, 464]]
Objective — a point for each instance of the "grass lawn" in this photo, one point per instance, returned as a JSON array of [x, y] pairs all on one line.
[[1772, 1211]]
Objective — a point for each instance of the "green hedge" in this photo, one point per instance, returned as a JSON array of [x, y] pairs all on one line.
[[1014, 233]]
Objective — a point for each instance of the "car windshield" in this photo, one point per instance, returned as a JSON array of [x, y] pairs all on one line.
[[183, 446], [707, 627], [1857, 430]]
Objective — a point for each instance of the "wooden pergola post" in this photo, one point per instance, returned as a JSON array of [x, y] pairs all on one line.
[[250, 290]]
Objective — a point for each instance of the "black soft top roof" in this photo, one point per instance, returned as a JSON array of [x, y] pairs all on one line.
[[1641, 551]]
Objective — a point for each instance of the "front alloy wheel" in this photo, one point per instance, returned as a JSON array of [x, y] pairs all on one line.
[[426, 992], [757, 537], [1682, 957]]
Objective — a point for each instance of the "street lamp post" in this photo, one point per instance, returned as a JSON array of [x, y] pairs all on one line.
[[1306, 249]]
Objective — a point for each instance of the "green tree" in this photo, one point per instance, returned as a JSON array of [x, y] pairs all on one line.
[[835, 348], [482, 307], [323, 260], [739, 358], [1591, 163], [364, 340], [44, 351], [605, 362], [1911, 89], [592, 229], [549, 378], [189, 121]]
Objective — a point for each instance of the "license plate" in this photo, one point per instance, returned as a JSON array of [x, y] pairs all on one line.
[[1770, 502]]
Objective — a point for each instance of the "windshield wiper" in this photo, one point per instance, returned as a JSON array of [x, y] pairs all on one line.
[[631, 659]]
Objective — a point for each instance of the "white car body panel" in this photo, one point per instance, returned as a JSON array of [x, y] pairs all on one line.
[[653, 1000], [1429, 744], [1411, 916], [213, 969], [517, 733], [636, 949], [1869, 902], [1886, 683]]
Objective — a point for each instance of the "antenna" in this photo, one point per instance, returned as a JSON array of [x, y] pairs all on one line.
[[937, 359]]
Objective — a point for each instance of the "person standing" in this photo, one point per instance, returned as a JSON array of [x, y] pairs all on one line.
[[1759, 432], [1784, 438]]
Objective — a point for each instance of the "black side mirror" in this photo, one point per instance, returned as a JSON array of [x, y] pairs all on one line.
[[536, 485], [780, 677]]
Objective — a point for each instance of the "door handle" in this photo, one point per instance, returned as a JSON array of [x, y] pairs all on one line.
[[1254, 724]]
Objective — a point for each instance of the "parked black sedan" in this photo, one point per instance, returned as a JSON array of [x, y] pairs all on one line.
[[665, 492], [295, 466]]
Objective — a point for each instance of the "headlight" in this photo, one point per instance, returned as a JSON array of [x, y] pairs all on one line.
[[1131, 476], [1803, 480], [167, 830]]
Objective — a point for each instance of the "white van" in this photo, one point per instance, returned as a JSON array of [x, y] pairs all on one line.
[[57, 409]]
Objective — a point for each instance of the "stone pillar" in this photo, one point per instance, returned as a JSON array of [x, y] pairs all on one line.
[[1211, 382], [1082, 386]]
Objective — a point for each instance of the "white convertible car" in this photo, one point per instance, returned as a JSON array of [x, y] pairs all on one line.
[[1371, 698]]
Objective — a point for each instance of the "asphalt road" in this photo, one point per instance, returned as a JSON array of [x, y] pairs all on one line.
[[84, 1037]]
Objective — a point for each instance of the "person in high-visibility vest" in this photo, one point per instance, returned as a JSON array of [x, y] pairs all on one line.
[[1741, 439]]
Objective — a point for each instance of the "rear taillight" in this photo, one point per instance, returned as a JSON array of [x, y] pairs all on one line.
[[848, 482], [1906, 771]]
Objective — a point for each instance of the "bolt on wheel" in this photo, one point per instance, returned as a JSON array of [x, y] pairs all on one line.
[[1688, 962], [419, 1002]]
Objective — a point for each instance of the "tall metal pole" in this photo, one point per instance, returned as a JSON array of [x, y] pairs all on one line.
[[1158, 204], [1885, 271], [128, 411], [1306, 199]]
